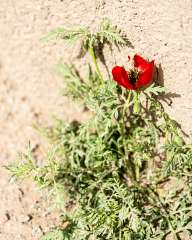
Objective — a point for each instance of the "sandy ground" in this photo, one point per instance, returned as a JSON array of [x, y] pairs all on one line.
[[30, 90]]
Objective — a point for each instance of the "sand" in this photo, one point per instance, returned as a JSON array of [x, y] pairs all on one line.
[[30, 90]]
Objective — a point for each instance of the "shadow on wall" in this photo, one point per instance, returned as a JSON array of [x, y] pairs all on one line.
[[159, 80], [100, 48], [168, 96]]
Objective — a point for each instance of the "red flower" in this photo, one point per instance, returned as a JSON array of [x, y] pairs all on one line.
[[140, 76]]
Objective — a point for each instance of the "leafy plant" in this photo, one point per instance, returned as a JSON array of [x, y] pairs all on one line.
[[125, 173]]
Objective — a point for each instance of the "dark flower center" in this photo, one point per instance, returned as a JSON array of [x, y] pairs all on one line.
[[133, 76]]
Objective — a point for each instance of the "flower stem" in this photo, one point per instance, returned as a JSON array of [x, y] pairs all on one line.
[[127, 103], [129, 97], [137, 106], [92, 53], [137, 173], [133, 170]]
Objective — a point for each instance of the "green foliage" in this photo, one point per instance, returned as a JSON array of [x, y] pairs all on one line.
[[56, 234], [153, 89], [106, 33], [113, 175], [23, 169]]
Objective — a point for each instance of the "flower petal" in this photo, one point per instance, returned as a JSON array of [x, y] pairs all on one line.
[[139, 61], [145, 75], [120, 75]]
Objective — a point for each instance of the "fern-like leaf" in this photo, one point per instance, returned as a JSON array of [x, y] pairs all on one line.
[[155, 89], [109, 33]]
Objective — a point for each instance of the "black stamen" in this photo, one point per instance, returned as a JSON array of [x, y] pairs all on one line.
[[133, 76]]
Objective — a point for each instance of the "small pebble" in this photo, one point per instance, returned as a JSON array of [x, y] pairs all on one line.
[[4, 218], [37, 230], [25, 218]]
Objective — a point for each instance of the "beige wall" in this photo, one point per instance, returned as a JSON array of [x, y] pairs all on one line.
[[30, 89]]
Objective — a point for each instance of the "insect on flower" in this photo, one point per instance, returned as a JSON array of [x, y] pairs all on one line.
[[140, 76]]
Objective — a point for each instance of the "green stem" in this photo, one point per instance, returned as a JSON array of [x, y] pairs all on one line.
[[127, 103], [92, 53], [133, 171], [137, 173], [129, 98], [167, 217], [137, 106]]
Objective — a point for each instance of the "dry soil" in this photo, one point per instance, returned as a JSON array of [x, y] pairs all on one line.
[[30, 90]]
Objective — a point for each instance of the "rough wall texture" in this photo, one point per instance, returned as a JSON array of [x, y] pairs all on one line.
[[30, 89]]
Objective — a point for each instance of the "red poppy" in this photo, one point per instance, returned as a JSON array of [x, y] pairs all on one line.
[[140, 76]]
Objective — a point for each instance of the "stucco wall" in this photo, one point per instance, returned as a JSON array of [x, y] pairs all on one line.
[[29, 87]]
